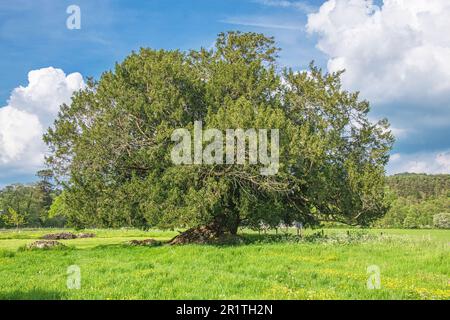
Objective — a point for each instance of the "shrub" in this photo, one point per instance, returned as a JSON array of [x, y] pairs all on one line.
[[442, 220]]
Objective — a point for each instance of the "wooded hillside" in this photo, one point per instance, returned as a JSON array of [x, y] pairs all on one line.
[[418, 201]]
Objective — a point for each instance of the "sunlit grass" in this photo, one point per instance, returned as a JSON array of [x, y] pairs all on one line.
[[414, 264]]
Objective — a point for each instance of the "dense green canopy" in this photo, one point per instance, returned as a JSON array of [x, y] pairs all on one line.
[[417, 201], [28, 205], [111, 147]]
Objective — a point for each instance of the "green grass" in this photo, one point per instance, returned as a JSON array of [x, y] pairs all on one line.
[[414, 264]]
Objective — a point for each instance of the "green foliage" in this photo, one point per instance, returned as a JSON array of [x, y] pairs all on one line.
[[46, 187], [14, 218], [111, 147], [31, 201], [57, 212], [420, 186], [58, 207], [25, 200], [441, 221], [416, 199]]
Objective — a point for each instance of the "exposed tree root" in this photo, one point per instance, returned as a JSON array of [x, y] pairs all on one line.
[[209, 234]]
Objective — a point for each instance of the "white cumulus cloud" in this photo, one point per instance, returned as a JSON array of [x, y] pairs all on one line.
[[29, 112], [432, 163], [397, 51], [397, 54]]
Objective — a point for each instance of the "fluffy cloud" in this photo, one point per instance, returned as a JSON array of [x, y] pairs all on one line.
[[433, 163], [397, 56], [29, 112], [397, 51]]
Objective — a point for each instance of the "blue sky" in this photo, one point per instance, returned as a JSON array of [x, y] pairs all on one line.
[[389, 66], [34, 34]]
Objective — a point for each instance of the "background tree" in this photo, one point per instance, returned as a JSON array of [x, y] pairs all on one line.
[[14, 218], [110, 148], [442, 220], [417, 198], [46, 187], [57, 212], [24, 200], [33, 201]]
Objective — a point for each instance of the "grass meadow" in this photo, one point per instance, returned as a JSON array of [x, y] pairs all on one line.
[[413, 264]]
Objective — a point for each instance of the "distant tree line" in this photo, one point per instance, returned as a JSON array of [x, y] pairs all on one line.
[[418, 201], [420, 186], [29, 205]]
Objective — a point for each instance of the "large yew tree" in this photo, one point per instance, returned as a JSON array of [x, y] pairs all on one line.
[[111, 147]]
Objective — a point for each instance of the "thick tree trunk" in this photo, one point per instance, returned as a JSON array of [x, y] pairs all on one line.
[[233, 224], [231, 218], [228, 222]]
